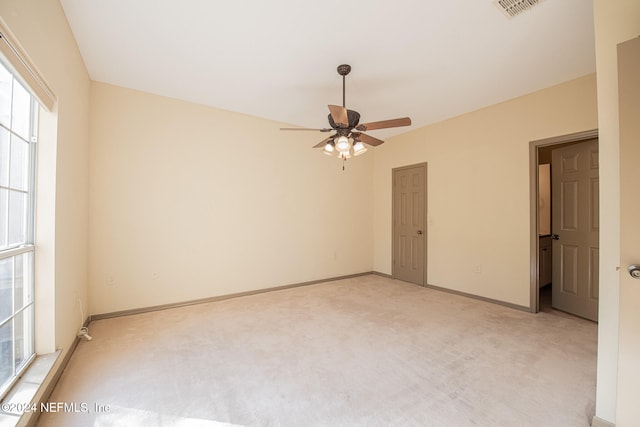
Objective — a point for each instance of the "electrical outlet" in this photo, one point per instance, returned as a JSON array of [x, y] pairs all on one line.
[[477, 269], [155, 275]]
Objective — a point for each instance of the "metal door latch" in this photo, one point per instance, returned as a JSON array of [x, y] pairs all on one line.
[[634, 271]]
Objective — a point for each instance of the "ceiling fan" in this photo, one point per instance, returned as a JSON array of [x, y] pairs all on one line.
[[349, 139]]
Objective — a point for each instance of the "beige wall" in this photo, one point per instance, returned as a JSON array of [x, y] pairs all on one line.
[[215, 203], [42, 30], [615, 22], [478, 188]]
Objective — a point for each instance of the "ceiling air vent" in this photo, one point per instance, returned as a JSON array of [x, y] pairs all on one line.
[[515, 7]]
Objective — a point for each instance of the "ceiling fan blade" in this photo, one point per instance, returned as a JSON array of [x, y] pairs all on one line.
[[369, 139], [317, 130], [384, 124], [324, 142], [339, 115]]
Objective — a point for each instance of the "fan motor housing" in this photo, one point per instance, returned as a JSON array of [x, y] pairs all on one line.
[[354, 119]]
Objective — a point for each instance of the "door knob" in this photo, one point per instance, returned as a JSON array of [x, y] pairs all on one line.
[[634, 271], [419, 231], [555, 237]]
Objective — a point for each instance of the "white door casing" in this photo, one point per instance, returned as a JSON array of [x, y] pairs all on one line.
[[628, 410]]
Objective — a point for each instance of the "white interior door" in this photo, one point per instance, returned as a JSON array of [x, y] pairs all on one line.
[[575, 228], [409, 227], [628, 410]]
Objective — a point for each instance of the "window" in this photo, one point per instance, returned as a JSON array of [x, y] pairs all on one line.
[[18, 129]]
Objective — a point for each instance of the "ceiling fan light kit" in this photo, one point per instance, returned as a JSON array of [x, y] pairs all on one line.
[[359, 148], [346, 142], [342, 144]]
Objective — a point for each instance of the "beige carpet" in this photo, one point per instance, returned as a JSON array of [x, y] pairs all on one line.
[[367, 351]]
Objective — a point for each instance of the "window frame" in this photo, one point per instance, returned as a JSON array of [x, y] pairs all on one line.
[[27, 246]]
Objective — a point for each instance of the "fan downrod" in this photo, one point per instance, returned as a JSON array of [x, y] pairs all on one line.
[[343, 70]]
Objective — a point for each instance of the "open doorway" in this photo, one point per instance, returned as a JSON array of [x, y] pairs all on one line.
[[564, 224]]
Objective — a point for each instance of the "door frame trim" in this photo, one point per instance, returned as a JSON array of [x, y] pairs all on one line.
[[393, 218], [534, 241]]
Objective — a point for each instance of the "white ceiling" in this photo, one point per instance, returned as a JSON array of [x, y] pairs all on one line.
[[426, 59]]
